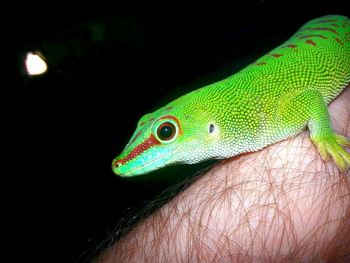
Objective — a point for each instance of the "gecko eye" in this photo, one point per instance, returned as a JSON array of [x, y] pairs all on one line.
[[166, 131]]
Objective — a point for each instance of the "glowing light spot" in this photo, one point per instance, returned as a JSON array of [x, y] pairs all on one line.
[[35, 63]]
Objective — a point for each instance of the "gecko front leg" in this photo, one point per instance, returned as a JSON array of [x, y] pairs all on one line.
[[308, 108]]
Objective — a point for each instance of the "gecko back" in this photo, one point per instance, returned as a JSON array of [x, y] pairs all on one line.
[[317, 57]]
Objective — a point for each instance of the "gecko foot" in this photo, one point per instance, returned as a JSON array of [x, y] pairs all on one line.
[[331, 147]]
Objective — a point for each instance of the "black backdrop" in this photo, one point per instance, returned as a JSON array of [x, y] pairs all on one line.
[[107, 67]]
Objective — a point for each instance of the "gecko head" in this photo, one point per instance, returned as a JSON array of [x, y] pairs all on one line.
[[168, 136]]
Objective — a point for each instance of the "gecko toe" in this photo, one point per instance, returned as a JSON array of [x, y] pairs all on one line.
[[331, 146]]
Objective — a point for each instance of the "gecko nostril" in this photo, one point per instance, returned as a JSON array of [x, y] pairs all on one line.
[[117, 164]]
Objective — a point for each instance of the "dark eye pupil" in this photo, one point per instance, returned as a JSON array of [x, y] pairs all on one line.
[[166, 131]]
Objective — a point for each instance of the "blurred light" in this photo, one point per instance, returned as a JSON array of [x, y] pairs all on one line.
[[35, 63]]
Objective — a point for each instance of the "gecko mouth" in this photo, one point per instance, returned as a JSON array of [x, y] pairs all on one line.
[[146, 167]]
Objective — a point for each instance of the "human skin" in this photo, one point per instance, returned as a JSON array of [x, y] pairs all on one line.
[[280, 204]]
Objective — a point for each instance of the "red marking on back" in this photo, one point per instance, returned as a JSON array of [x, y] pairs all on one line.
[[339, 41], [309, 41], [276, 55], [325, 29], [292, 46], [261, 63], [151, 141], [307, 36], [326, 21], [335, 25], [174, 119]]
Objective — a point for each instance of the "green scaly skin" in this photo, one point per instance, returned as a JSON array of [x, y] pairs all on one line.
[[272, 99]]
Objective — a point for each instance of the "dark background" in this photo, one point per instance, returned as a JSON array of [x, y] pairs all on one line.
[[108, 67]]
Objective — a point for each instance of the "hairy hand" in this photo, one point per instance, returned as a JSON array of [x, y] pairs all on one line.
[[281, 204]]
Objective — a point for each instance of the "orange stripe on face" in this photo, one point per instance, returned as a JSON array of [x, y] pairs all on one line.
[[151, 141]]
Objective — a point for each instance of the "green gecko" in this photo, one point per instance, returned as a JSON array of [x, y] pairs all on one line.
[[270, 100]]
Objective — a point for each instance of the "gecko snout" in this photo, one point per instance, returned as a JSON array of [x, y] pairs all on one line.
[[116, 166]]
